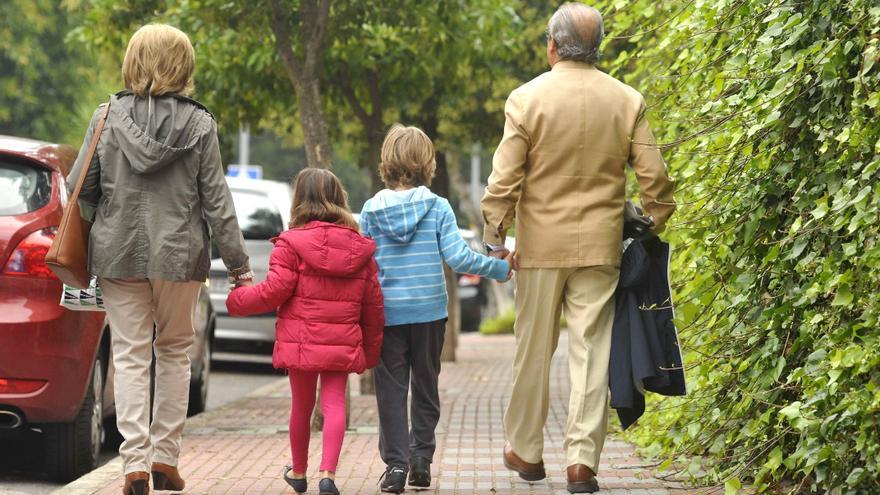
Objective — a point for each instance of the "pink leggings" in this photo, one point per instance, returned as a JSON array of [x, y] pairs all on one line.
[[303, 385]]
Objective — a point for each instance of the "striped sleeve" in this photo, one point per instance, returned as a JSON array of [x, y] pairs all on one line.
[[458, 255]]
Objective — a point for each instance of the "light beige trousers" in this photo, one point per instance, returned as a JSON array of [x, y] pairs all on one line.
[[133, 305], [586, 295]]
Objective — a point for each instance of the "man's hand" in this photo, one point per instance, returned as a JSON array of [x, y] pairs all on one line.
[[510, 258], [514, 263]]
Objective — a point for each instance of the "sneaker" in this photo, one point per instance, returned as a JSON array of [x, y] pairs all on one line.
[[420, 472], [299, 485], [393, 480], [327, 487]]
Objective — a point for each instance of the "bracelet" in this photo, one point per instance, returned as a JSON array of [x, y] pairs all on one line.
[[491, 248], [248, 275]]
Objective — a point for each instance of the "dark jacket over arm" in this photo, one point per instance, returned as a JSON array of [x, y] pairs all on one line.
[[645, 352]]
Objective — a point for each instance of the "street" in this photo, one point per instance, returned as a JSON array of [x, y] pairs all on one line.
[[20, 460]]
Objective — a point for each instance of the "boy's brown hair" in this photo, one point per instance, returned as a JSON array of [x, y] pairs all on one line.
[[318, 195], [407, 158]]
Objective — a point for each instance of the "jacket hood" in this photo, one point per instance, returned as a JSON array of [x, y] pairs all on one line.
[[330, 249], [155, 131], [397, 214]]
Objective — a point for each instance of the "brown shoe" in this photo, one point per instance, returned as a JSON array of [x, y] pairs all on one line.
[[581, 479], [526, 470], [167, 477], [137, 483]]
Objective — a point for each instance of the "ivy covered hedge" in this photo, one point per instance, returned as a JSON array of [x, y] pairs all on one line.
[[769, 114]]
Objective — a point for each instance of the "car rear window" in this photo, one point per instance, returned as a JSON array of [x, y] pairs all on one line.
[[258, 216], [23, 187]]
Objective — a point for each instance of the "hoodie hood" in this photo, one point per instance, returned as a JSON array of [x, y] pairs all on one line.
[[155, 131], [397, 214], [329, 249]]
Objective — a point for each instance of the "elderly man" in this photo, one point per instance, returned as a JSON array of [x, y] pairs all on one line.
[[559, 170]]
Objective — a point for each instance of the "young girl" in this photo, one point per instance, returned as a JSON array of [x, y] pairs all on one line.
[[323, 284]]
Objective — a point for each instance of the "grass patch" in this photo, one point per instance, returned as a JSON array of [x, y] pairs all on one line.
[[500, 324], [503, 323]]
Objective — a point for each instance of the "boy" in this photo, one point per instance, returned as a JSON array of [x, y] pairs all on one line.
[[415, 231]]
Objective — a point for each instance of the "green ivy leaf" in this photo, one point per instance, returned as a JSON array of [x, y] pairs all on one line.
[[732, 486], [774, 460], [843, 297], [792, 410]]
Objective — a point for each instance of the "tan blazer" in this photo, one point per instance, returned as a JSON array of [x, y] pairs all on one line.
[[559, 168]]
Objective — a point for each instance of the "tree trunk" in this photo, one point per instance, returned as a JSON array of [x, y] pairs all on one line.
[[370, 115], [453, 324], [311, 115], [375, 138], [304, 71]]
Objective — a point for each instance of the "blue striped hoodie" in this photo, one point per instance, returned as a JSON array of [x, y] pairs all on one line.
[[414, 230]]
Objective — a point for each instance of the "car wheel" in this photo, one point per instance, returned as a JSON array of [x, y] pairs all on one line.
[[72, 449], [198, 384]]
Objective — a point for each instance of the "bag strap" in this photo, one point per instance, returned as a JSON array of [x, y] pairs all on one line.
[[96, 136]]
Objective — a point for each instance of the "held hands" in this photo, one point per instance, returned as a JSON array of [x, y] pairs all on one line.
[[508, 256], [242, 280]]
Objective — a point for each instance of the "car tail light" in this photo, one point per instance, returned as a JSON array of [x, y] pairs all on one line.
[[20, 386], [468, 280], [28, 259]]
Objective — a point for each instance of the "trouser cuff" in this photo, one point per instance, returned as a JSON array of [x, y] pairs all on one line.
[[170, 461], [134, 468]]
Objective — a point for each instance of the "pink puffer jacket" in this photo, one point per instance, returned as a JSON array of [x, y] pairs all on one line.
[[324, 285]]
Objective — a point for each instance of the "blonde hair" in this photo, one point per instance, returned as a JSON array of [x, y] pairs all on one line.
[[318, 195], [159, 60], [407, 158]]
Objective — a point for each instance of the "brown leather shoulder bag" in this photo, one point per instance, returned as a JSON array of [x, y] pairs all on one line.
[[69, 255]]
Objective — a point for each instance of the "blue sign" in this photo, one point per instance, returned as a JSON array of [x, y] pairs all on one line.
[[245, 171]]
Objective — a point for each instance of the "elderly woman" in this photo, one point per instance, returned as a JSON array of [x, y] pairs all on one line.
[[156, 192]]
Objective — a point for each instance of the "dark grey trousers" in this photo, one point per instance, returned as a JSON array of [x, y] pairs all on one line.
[[410, 354]]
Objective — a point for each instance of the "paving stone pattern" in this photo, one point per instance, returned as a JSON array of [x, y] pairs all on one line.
[[242, 447]]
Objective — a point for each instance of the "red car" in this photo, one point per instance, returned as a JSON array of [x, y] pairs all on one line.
[[55, 365]]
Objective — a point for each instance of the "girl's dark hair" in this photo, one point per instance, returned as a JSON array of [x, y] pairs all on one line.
[[318, 195]]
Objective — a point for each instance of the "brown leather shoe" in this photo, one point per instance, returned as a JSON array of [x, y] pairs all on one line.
[[167, 477], [581, 479], [526, 470], [137, 483]]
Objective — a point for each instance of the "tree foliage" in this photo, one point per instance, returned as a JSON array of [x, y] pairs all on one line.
[[769, 110], [44, 76], [446, 65]]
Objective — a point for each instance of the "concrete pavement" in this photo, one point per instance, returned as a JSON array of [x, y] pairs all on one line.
[[242, 447]]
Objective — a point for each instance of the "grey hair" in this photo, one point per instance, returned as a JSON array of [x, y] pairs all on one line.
[[576, 37]]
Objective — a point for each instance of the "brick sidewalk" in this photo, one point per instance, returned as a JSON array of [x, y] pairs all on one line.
[[242, 447]]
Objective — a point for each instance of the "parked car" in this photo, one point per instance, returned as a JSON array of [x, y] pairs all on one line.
[[263, 209], [56, 370]]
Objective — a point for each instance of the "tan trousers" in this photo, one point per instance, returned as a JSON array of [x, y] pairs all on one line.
[[133, 305], [587, 297]]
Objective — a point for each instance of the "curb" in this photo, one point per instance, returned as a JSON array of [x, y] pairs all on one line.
[[102, 476]]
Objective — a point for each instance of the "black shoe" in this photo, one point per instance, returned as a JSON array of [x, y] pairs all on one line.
[[298, 485], [420, 472], [327, 487], [394, 479]]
